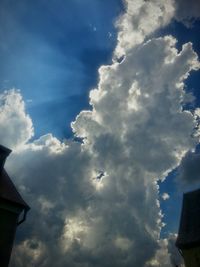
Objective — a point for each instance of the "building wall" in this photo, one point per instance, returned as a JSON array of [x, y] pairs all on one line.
[[8, 222], [192, 257]]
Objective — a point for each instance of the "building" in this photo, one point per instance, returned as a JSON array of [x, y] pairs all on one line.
[[13, 210], [188, 240]]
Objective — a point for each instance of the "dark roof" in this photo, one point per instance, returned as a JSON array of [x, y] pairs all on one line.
[[189, 229], [9, 192], [4, 152]]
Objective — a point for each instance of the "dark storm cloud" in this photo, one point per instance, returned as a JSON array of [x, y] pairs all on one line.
[[187, 11], [189, 170]]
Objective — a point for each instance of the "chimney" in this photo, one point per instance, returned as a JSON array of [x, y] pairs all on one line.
[[13, 210]]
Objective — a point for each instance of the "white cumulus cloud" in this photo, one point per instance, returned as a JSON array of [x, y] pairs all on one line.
[[96, 203], [16, 125], [165, 196], [141, 19]]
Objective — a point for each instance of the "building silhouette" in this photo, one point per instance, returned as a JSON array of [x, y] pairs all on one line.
[[13, 210], [188, 240]]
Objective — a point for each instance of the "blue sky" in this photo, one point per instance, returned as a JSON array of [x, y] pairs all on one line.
[[172, 207], [53, 58], [135, 133]]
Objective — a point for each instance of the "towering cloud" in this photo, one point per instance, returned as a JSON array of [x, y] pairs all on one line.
[[141, 19], [95, 203]]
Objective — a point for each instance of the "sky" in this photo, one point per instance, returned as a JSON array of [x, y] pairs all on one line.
[[100, 104]]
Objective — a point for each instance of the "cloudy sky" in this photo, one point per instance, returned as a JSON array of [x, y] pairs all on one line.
[[100, 103]]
